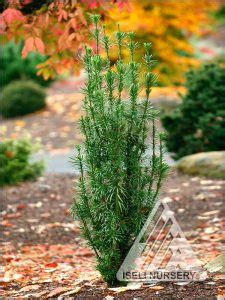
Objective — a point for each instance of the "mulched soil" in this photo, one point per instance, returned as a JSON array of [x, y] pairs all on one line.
[[42, 254], [42, 250]]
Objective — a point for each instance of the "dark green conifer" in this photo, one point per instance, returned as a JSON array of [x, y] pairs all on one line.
[[119, 182]]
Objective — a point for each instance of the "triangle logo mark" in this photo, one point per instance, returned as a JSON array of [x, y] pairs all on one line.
[[161, 252]]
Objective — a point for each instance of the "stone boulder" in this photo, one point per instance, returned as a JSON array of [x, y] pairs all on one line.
[[209, 164]]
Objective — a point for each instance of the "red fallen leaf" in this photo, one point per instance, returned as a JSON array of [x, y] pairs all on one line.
[[202, 225], [67, 211], [9, 258], [20, 206], [84, 252], [6, 223], [51, 265], [3, 283], [12, 216]]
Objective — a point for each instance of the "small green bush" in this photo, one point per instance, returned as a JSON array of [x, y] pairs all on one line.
[[21, 98], [198, 124], [14, 161], [14, 67]]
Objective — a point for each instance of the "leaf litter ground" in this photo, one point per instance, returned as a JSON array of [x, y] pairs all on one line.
[[43, 255], [41, 252]]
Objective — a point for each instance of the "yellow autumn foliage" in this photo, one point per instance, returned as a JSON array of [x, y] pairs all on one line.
[[168, 25]]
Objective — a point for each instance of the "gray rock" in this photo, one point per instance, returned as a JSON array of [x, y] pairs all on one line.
[[166, 104], [209, 164]]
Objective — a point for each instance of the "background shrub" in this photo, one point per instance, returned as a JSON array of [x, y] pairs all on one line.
[[198, 124], [14, 161], [21, 98], [14, 67]]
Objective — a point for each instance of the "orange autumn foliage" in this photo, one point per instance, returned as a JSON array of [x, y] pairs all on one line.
[[59, 29]]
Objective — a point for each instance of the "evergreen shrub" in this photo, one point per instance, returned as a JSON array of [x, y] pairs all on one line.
[[198, 123], [119, 181], [15, 165], [21, 98], [14, 67]]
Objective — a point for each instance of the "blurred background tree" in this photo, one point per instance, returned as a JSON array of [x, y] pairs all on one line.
[[59, 29], [169, 26], [14, 67]]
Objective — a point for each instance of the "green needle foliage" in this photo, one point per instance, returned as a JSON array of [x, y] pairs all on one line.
[[119, 182]]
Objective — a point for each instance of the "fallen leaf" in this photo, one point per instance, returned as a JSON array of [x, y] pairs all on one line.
[[210, 230], [174, 190], [74, 291], [212, 187], [157, 287], [6, 223], [119, 289], [176, 198], [206, 182], [220, 296], [12, 216], [200, 196], [219, 277], [212, 212], [30, 288], [20, 123], [20, 206], [167, 200], [211, 283], [134, 285], [51, 265], [37, 295], [58, 291], [181, 283]]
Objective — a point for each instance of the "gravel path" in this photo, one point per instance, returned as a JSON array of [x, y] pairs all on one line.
[[60, 162]]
